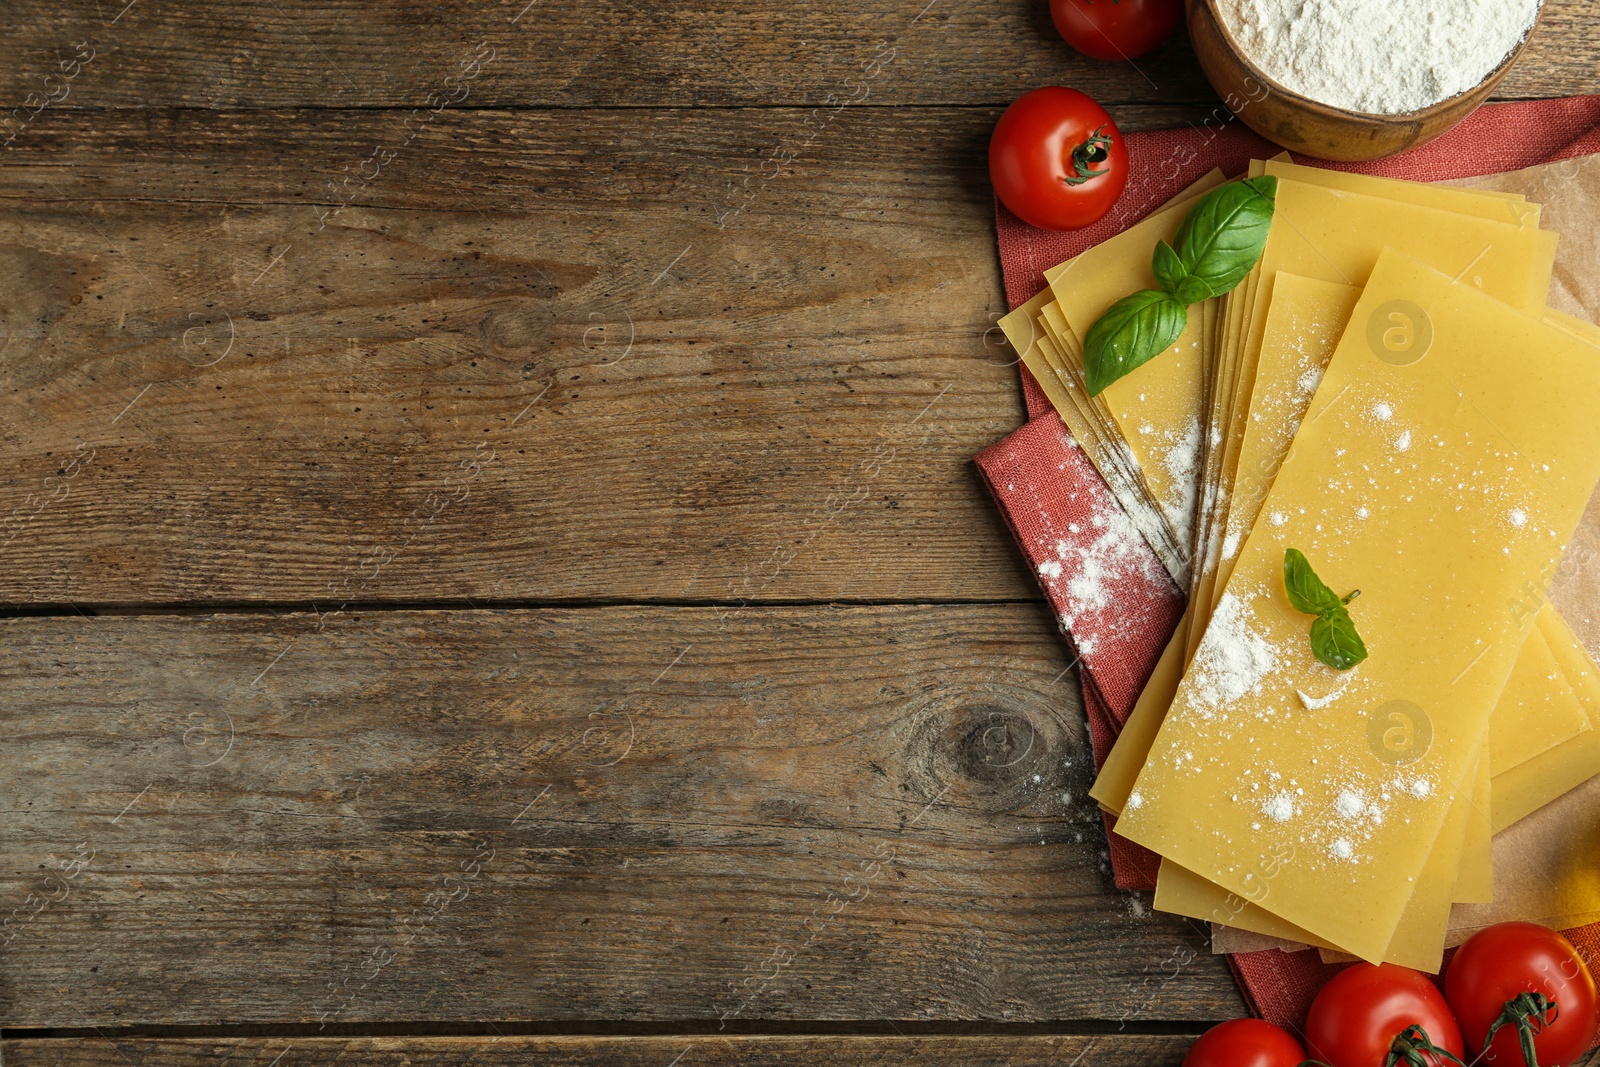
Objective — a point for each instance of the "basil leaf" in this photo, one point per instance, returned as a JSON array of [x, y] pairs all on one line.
[[1191, 290], [1220, 240], [1131, 332], [1168, 268], [1224, 233], [1306, 591], [1334, 640]]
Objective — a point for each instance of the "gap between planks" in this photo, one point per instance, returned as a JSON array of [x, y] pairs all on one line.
[[205, 607], [600, 1028]]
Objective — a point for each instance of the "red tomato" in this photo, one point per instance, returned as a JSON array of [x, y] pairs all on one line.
[[1496, 967], [1358, 1017], [1245, 1043], [1115, 29], [1057, 160]]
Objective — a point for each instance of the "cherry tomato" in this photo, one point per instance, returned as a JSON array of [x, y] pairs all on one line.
[[1506, 968], [1366, 1011], [1245, 1043], [1115, 29], [1057, 160]]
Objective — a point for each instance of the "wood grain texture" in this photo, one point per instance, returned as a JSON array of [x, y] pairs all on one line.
[[344, 53], [510, 368], [662, 52], [626, 813], [1113, 1050], [1100, 1050], [694, 159]]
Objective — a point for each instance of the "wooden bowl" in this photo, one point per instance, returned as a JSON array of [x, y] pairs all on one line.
[[1303, 125]]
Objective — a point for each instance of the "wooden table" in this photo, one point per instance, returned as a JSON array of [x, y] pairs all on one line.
[[494, 566]]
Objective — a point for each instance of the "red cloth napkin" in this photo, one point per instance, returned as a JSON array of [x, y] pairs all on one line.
[[1106, 587]]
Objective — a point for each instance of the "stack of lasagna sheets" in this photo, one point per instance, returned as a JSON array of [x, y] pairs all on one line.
[[1387, 393]]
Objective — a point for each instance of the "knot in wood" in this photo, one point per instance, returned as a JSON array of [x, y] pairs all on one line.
[[992, 748], [524, 330]]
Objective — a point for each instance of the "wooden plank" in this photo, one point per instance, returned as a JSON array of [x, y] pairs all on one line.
[[1105, 1050], [697, 160], [343, 53], [625, 813], [509, 370], [1099, 1050]]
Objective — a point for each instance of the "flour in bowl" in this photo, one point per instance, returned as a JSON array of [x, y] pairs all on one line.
[[1377, 56]]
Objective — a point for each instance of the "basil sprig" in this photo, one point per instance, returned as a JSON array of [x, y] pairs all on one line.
[[1334, 640], [1216, 246]]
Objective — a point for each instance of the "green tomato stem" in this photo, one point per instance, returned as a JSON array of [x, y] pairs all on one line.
[[1088, 156], [1412, 1047], [1524, 1011]]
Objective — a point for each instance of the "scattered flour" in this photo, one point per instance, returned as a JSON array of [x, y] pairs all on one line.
[[1089, 569], [1135, 800], [1232, 658], [1421, 788], [1376, 56], [1402, 442], [1517, 517], [1182, 463], [1349, 803], [1311, 703], [1341, 849], [1089, 588], [1279, 807], [1382, 412]]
